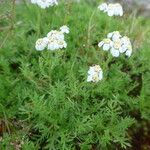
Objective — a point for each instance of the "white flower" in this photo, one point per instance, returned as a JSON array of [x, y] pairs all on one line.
[[95, 74], [106, 43], [111, 9], [114, 35], [116, 44], [53, 41], [54, 34], [45, 3], [114, 52], [116, 48], [118, 10], [126, 45], [125, 41], [34, 1], [62, 44], [56, 40], [41, 44], [56, 44], [129, 51], [64, 29], [115, 10], [103, 7], [53, 45]]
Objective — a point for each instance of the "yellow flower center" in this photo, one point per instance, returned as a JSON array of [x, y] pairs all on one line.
[[97, 68], [107, 41], [117, 44], [95, 78]]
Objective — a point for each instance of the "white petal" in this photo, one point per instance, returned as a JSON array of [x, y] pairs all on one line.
[[89, 78], [128, 53], [109, 35], [103, 7], [123, 49], [100, 75], [41, 44], [116, 37], [110, 12], [91, 71], [34, 1], [106, 47], [100, 44], [114, 52], [64, 29], [121, 12]]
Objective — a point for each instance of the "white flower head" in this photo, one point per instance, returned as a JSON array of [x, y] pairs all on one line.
[[129, 50], [55, 40], [114, 35], [103, 7], [56, 44], [62, 44], [95, 74], [41, 44], [111, 9], [34, 1], [54, 34], [114, 52], [52, 45], [106, 43], [118, 10], [45, 3], [116, 44], [116, 48], [64, 29]]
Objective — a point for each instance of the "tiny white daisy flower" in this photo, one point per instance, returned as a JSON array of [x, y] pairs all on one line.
[[114, 52], [116, 48], [33, 1], [41, 44], [103, 7], [55, 40], [125, 41], [111, 9], [114, 35], [117, 44], [56, 35], [106, 43], [45, 3], [118, 11], [53, 45], [64, 29], [62, 44], [95, 74], [129, 51]]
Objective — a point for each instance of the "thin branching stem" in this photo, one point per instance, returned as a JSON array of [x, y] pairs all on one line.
[[89, 29]]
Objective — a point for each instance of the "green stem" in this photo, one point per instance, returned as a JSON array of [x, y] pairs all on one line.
[[39, 23], [89, 29]]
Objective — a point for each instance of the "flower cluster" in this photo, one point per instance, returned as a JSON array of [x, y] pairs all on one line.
[[53, 41], [111, 9], [116, 44], [95, 74], [45, 3]]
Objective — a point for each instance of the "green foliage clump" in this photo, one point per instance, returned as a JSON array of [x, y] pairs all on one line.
[[45, 101]]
